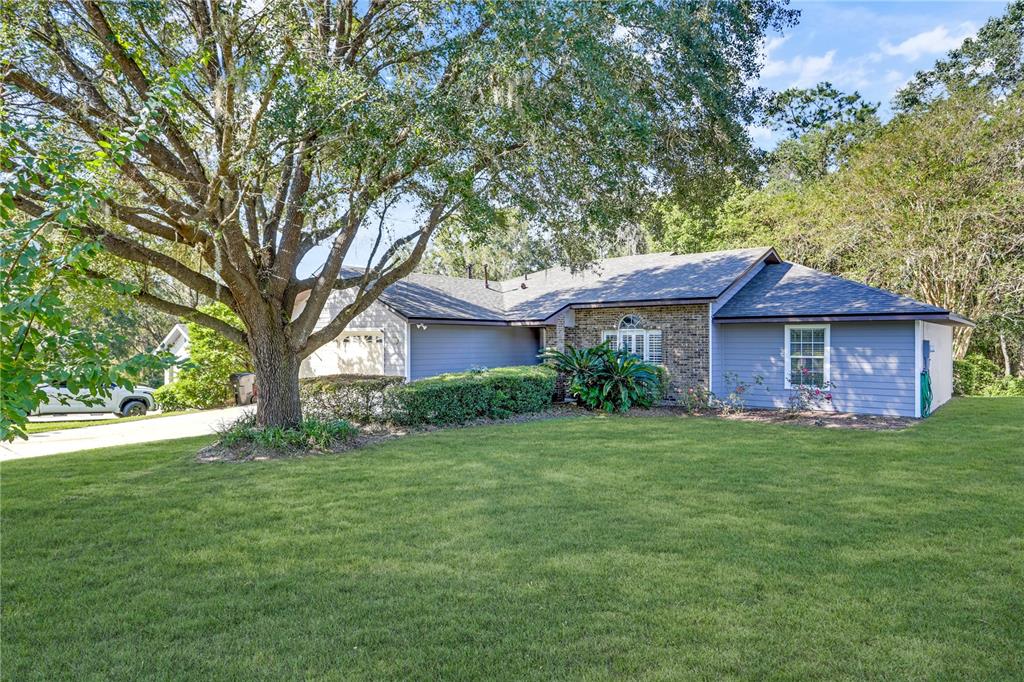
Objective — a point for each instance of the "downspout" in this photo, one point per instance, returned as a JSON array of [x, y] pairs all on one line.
[[408, 349]]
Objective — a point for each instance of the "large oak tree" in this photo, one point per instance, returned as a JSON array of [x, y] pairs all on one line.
[[240, 136]]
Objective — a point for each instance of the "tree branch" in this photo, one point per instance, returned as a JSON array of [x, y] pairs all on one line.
[[230, 332]]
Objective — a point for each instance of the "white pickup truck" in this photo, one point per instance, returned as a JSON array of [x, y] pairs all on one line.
[[120, 401]]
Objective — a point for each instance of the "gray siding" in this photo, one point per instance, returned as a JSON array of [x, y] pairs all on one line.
[[872, 365], [444, 348]]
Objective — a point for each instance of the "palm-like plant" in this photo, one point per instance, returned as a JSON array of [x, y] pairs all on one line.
[[602, 378], [625, 381]]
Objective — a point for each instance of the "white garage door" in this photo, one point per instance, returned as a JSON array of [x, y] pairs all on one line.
[[353, 352]]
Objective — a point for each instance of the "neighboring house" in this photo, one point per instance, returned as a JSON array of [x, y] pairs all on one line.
[[175, 343], [709, 318]]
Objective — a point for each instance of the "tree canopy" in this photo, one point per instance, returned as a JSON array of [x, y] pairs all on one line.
[[236, 138], [930, 203]]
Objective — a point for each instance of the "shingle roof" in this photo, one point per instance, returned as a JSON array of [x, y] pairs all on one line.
[[791, 290], [438, 296], [650, 277]]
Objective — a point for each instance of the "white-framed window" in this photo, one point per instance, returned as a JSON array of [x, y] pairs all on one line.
[[633, 337], [808, 355]]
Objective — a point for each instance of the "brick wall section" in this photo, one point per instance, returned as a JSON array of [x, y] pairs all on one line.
[[684, 337]]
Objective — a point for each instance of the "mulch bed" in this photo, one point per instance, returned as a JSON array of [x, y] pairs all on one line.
[[371, 434], [828, 420]]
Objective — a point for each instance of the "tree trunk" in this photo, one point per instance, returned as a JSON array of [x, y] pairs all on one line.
[[961, 341], [277, 379], [1007, 370]]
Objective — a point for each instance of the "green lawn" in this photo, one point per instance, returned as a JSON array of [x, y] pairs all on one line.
[[590, 548], [40, 427]]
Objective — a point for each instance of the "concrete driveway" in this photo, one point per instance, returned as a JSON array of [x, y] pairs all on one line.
[[128, 433]]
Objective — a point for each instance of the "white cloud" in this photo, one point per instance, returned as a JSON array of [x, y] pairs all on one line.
[[935, 41], [763, 136], [805, 70], [893, 76]]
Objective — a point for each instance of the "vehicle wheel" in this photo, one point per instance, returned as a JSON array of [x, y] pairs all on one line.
[[133, 408]]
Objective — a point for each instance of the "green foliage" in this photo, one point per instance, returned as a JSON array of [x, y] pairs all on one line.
[[824, 125], [311, 433], [205, 380], [977, 375], [445, 399], [664, 382], [461, 397], [356, 397], [511, 247], [930, 206], [993, 61], [43, 260], [1005, 387], [696, 399], [603, 379], [234, 144]]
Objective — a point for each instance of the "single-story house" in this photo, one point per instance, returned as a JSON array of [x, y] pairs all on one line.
[[175, 343], [710, 318]]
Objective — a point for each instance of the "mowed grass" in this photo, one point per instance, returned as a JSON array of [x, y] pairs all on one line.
[[591, 548]]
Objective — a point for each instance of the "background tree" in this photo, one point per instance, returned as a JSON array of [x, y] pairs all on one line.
[[45, 263], [511, 247], [823, 124], [992, 61], [932, 206], [262, 133]]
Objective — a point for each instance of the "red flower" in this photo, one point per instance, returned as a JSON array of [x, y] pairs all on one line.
[[817, 391], [828, 396]]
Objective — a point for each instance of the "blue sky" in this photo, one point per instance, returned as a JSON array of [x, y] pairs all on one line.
[[870, 47]]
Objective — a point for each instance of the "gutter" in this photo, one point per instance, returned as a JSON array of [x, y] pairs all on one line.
[[852, 317]]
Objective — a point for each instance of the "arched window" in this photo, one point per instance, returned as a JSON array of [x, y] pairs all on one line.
[[631, 322], [634, 336]]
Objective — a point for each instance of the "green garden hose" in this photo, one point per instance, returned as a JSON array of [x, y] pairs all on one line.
[[926, 394]]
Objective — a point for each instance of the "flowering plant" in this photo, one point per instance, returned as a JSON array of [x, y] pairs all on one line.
[[809, 396], [696, 399], [735, 400]]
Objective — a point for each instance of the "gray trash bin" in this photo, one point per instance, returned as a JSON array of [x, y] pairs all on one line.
[[244, 384]]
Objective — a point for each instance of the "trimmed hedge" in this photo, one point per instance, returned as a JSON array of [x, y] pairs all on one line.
[[355, 397], [458, 398], [445, 399]]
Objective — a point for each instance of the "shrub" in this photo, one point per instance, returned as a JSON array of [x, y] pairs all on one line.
[[664, 382], [358, 398], [318, 433], [974, 375], [614, 381], [1004, 386], [696, 399], [458, 398], [804, 397], [169, 397], [205, 380]]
